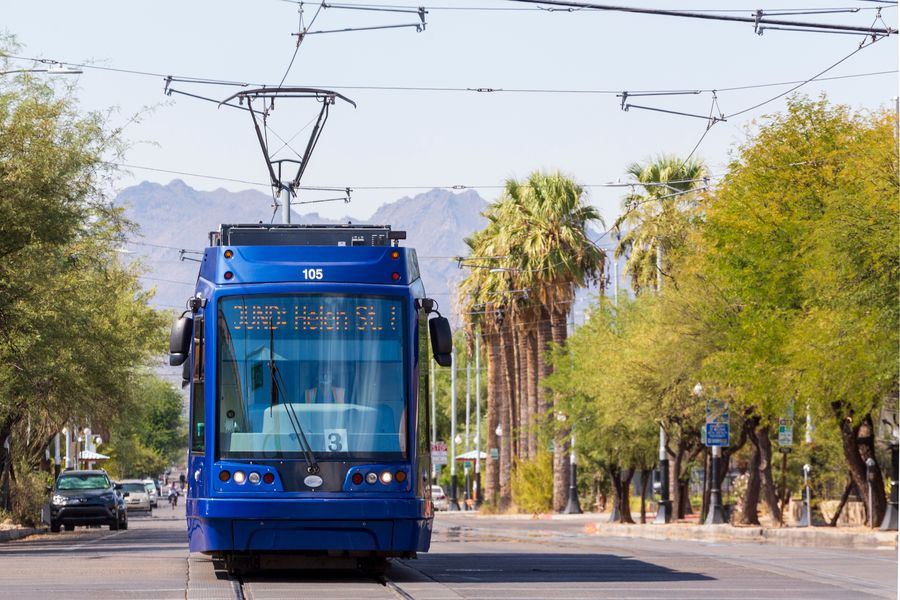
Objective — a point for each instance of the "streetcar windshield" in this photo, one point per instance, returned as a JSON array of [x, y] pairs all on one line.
[[327, 368]]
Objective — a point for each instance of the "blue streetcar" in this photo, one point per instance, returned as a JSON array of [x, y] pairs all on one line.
[[306, 352]]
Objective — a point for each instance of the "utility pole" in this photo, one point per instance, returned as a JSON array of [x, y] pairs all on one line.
[[454, 503], [468, 412]]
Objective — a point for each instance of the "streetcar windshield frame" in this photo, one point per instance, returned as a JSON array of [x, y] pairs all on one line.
[[331, 368]]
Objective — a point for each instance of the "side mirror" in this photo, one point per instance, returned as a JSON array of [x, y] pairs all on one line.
[[180, 340], [125, 495], [441, 340]]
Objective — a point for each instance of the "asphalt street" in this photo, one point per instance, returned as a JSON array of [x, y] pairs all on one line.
[[470, 558]]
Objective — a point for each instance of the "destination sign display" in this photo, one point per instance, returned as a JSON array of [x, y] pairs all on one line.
[[321, 315]]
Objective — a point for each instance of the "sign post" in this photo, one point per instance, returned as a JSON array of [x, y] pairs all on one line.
[[438, 453], [717, 431]]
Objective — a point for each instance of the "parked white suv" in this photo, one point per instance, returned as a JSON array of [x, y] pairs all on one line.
[[138, 498], [441, 502]]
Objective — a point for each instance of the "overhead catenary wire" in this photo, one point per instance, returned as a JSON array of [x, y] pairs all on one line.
[[448, 89], [757, 20]]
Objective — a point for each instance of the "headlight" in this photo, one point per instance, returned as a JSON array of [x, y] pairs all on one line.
[[59, 499]]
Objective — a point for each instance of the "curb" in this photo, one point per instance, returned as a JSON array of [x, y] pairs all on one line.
[[810, 537], [15, 534]]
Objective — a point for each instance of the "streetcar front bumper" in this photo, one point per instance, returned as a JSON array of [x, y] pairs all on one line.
[[387, 527]]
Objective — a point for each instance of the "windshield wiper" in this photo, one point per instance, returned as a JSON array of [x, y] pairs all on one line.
[[312, 467]]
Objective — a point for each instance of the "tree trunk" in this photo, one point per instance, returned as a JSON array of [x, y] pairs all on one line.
[[646, 474], [506, 411], [492, 465], [515, 408], [531, 387], [522, 379], [613, 471], [625, 497], [674, 477], [544, 337], [858, 445], [750, 511], [770, 492], [5, 464], [561, 469], [840, 508]]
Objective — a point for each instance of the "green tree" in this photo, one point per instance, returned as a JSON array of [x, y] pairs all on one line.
[[151, 435], [800, 242], [75, 327]]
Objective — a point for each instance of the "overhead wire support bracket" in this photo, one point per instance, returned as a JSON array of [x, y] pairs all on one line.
[[419, 27]]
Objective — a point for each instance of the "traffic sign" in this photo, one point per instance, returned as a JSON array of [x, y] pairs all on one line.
[[717, 423], [785, 433], [439, 453]]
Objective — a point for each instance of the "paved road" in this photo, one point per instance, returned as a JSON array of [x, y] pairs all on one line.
[[470, 558]]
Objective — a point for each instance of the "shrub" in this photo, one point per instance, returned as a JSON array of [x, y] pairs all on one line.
[[532, 484], [28, 495]]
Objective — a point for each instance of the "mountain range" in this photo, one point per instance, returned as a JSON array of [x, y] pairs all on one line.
[[174, 220]]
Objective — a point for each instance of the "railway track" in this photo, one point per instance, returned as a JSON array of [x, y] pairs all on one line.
[[208, 581]]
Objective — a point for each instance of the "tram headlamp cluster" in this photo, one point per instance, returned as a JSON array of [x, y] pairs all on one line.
[[372, 477], [240, 477]]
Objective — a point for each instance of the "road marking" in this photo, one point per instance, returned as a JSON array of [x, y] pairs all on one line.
[[93, 541]]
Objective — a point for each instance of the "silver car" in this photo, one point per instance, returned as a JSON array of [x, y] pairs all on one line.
[[151, 489], [138, 498], [441, 502]]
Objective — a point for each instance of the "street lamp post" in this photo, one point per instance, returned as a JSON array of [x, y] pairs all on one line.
[[664, 511], [454, 503], [476, 487], [572, 506], [870, 474], [804, 511], [716, 513]]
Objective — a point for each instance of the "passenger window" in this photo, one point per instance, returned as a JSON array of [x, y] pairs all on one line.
[[198, 406]]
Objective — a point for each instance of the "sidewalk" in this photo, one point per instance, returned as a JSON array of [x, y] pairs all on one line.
[[821, 537]]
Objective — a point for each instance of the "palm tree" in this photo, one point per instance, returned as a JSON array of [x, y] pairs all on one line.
[[655, 220], [484, 304], [548, 223]]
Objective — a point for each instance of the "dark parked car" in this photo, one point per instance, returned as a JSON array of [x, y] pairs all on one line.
[[86, 498]]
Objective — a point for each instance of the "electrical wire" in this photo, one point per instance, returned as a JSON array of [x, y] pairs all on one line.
[[545, 9], [455, 89], [384, 187]]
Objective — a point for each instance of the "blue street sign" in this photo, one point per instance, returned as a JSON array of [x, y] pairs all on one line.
[[717, 434]]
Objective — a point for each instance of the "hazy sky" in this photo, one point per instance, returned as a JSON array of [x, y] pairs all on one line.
[[402, 139]]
